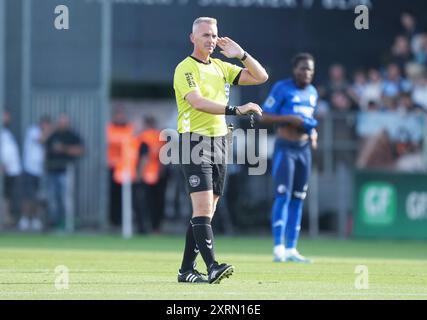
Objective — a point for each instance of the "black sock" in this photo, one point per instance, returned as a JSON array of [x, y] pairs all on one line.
[[203, 235], [190, 250]]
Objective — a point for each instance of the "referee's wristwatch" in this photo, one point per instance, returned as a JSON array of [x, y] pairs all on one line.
[[245, 55]]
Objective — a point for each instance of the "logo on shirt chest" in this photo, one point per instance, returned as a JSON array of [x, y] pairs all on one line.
[[312, 100], [305, 110], [296, 99], [304, 105]]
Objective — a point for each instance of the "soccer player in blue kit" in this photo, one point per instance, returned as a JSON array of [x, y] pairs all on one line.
[[290, 105]]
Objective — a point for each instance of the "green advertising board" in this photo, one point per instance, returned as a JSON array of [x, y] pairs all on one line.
[[390, 205]]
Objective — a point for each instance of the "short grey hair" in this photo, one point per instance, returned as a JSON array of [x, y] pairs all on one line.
[[204, 20]]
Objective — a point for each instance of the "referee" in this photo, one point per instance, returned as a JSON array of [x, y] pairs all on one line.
[[202, 86]]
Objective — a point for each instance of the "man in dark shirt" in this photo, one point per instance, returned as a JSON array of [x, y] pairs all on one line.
[[62, 147]]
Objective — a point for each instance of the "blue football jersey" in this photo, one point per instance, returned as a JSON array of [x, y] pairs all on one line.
[[286, 98]]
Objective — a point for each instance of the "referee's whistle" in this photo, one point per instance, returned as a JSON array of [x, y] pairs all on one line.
[[252, 115]]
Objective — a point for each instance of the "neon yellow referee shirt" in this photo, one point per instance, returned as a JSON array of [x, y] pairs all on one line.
[[213, 81]]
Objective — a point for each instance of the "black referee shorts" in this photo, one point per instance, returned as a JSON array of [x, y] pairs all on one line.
[[203, 162]]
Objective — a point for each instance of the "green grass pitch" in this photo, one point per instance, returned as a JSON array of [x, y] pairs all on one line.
[[108, 267]]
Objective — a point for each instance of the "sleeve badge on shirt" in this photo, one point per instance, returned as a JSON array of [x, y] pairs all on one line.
[[190, 80], [270, 102]]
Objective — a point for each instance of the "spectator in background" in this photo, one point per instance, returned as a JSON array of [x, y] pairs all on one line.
[[419, 94], [337, 80], [119, 132], [340, 102], [394, 83], [357, 89], [323, 107], [373, 89], [401, 53], [420, 50], [63, 147], [150, 186], [33, 163], [344, 124], [390, 103], [405, 104], [409, 25], [10, 165], [373, 106]]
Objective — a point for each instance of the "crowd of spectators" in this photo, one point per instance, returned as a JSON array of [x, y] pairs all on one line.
[[397, 88]]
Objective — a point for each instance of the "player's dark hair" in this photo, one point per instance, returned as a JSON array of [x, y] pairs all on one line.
[[301, 57]]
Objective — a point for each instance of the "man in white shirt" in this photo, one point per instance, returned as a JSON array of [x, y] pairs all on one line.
[[10, 166], [33, 164]]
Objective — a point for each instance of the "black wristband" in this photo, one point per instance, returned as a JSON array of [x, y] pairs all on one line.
[[230, 110], [245, 55]]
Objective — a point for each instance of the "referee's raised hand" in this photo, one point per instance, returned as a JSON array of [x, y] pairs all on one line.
[[249, 108], [230, 49]]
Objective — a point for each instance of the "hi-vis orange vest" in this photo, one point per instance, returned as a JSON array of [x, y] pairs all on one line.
[[125, 170], [116, 136], [150, 173], [122, 152]]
